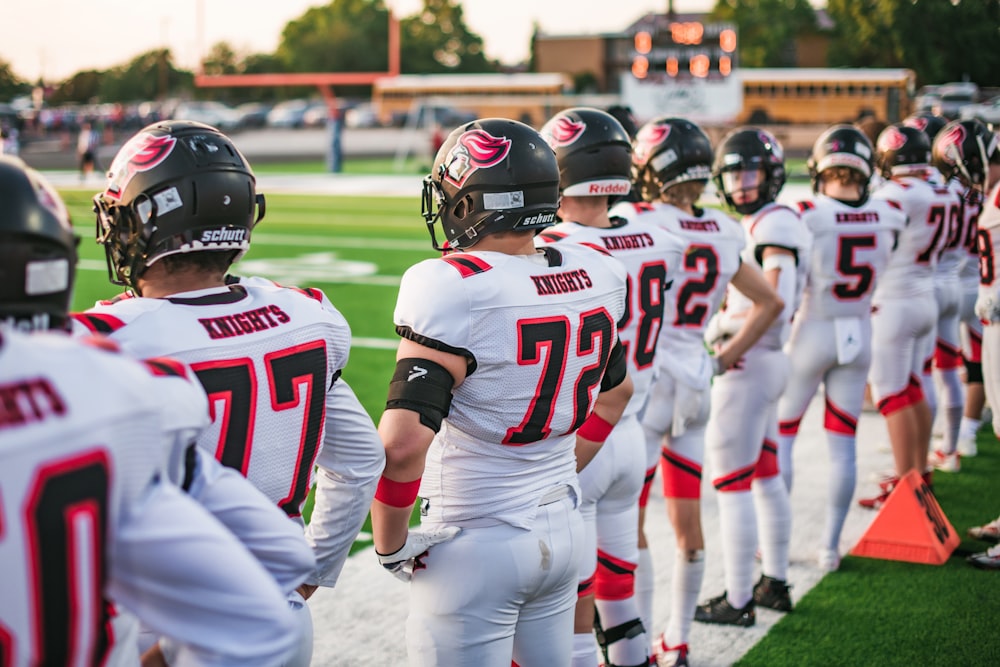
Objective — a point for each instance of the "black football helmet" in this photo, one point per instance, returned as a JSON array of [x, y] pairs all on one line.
[[593, 150], [931, 123], [841, 146], [175, 187], [37, 250], [749, 149], [963, 150], [490, 175], [901, 145], [667, 151]]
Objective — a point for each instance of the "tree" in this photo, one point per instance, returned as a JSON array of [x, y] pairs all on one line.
[[941, 40], [343, 36], [767, 28], [150, 75], [82, 87], [11, 84], [221, 59], [437, 40]]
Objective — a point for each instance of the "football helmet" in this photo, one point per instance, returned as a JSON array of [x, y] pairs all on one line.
[[668, 151], [175, 187], [754, 155], [931, 123], [841, 146], [901, 146], [593, 150], [490, 175], [963, 150], [37, 250]]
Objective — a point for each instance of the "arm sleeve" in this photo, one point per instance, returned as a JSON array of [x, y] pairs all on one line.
[[184, 575], [349, 467], [275, 540]]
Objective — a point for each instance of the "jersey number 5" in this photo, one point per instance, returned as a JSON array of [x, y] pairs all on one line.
[[234, 382], [848, 266]]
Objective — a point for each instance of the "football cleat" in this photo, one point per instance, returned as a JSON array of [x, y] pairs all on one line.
[[876, 502], [829, 560], [719, 611], [772, 593], [967, 446], [989, 532], [669, 656], [945, 462], [987, 560]]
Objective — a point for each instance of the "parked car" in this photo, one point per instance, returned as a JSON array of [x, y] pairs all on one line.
[[253, 114], [288, 113], [988, 111], [363, 115], [954, 96], [216, 114]]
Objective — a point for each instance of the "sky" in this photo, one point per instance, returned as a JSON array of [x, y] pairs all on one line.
[[56, 38]]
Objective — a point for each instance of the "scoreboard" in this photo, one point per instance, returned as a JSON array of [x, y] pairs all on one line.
[[682, 50]]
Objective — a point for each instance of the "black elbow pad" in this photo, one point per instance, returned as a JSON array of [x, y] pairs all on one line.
[[617, 369], [424, 387]]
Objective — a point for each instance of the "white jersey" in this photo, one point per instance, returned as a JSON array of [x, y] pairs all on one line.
[[85, 515], [932, 213], [850, 250], [777, 226], [651, 257], [713, 243], [988, 301], [269, 358], [530, 326], [972, 208]]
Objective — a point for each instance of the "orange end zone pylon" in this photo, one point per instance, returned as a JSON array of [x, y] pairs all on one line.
[[910, 527]]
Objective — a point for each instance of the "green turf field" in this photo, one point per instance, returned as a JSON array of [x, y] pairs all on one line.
[[871, 612]]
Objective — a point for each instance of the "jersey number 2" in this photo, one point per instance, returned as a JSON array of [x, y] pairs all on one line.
[[595, 331]]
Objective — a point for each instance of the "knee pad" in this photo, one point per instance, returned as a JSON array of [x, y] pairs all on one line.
[[973, 372]]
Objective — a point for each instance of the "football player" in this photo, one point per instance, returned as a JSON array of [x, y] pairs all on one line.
[[177, 211], [505, 386], [749, 172], [904, 306], [84, 469], [962, 156], [671, 164], [852, 239], [594, 153]]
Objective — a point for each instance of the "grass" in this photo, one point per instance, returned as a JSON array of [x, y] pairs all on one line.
[[888, 613], [350, 165]]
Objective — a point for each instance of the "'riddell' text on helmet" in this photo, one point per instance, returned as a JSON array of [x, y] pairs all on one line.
[[175, 187], [593, 150], [490, 175]]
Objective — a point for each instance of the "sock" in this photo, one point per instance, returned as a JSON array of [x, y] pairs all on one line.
[[629, 650], [739, 543], [969, 427], [774, 525], [685, 588], [584, 651], [952, 417], [785, 443], [645, 582], [842, 478]]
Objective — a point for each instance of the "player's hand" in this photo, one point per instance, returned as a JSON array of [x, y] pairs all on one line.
[[306, 590], [402, 562]]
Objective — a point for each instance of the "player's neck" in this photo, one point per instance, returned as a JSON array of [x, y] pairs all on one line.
[[156, 283], [587, 211]]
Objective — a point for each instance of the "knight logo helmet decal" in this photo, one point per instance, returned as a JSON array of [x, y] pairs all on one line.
[[564, 132], [649, 137], [142, 153], [891, 140], [474, 150], [918, 122], [952, 140]]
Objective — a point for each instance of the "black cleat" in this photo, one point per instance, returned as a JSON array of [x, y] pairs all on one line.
[[772, 593], [719, 611]]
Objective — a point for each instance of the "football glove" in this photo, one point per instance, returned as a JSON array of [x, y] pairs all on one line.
[[402, 562]]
